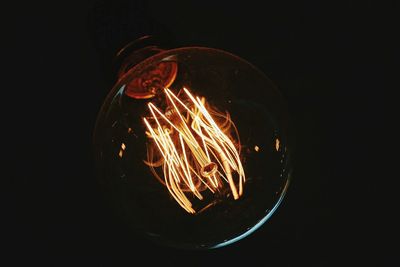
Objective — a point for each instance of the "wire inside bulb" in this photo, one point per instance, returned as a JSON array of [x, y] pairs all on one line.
[[194, 148]]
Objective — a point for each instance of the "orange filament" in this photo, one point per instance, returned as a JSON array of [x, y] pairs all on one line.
[[196, 151]]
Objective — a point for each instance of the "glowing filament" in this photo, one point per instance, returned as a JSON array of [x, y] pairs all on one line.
[[196, 151]]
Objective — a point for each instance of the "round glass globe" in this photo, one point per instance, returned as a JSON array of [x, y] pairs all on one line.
[[192, 145]]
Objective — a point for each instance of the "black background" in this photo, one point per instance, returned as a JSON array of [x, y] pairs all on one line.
[[333, 64]]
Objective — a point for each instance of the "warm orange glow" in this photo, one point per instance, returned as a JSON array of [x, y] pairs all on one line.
[[198, 148], [121, 151]]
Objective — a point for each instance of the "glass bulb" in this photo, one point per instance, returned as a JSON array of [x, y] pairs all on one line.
[[192, 145]]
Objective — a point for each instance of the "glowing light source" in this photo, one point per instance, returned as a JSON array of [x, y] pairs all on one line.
[[167, 149], [197, 152], [121, 151], [277, 142]]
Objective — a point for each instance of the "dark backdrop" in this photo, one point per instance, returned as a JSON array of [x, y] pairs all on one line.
[[332, 63]]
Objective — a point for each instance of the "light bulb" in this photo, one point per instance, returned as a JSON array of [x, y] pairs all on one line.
[[192, 144]]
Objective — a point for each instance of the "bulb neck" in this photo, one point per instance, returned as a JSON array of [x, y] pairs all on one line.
[[152, 79], [135, 52]]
